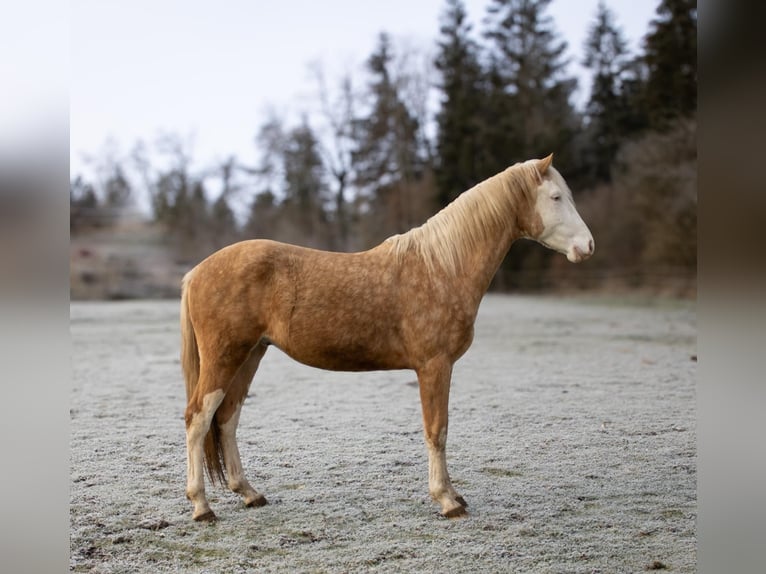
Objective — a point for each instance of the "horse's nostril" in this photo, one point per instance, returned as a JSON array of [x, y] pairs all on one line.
[[590, 246]]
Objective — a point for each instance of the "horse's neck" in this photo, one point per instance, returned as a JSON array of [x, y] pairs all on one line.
[[482, 262], [482, 265], [469, 239]]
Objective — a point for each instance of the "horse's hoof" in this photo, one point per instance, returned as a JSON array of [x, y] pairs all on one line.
[[457, 512], [461, 501], [208, 516], [259, 500]]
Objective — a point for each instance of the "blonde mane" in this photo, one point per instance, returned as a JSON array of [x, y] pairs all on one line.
[[479, 214]]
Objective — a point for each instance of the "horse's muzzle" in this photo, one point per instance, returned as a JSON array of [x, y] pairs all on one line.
[[578, 254]]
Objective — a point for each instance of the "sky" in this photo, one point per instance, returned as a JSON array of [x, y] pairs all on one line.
[[212, 71]]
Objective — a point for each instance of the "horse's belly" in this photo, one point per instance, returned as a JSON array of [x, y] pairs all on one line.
[[346, 351], [341, 319], [346, 362], [344, 357]]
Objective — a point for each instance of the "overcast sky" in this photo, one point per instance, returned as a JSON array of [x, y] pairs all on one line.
[[212, 70]]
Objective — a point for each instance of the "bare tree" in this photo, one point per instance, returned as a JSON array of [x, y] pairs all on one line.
[[336, 145]]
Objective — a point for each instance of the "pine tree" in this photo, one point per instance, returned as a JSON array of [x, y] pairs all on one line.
[[608, 111], [84, 208], [458, 143], [223, 224], [262, 222], [529, 111], [117, 189], [168, 192], [194, 217], [500, 131], [527, 60], [671, 58], [388, 157], [304, 186]]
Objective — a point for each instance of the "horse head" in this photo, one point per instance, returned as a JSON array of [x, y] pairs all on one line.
[[560, 226]]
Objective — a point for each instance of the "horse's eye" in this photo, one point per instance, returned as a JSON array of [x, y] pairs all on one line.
[[556, 198]]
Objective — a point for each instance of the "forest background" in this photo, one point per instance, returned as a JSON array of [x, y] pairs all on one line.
[[374, 158]]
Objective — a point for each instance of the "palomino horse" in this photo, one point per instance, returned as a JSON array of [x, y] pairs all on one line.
[[408, 303]]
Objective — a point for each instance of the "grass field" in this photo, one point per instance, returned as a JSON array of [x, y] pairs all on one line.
[[572, 437]]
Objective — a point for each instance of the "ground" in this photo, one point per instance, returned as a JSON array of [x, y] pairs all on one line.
[[572, 437]]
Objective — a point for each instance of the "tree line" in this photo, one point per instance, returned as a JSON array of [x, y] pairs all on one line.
[[374, 159]]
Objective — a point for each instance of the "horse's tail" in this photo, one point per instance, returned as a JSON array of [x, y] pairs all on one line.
[[190, 364], [189, 351]]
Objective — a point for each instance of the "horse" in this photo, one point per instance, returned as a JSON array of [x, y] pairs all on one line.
[[408, 303]]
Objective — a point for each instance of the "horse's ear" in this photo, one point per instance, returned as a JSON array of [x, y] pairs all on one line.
[[544, 164]]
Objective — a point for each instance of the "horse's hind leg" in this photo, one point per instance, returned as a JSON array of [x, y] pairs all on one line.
[[215, 378], [434, 380], [199, 415], [227, 419]]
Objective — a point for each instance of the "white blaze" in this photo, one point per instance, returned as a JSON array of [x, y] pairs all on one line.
[[563, 228]]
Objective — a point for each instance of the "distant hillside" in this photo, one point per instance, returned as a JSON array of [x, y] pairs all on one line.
[[129, 260]]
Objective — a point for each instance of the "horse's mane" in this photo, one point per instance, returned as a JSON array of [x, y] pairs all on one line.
[[476, 215]]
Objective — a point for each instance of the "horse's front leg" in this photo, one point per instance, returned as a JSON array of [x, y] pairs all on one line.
[[434, 380]]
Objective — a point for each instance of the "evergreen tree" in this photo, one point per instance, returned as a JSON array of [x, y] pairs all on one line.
[[608, 110], [84, 209], [500, 132], [180, 204], [82, 193], [167, 193], [636, 117], [117, 189], [270, 140], [528, 65], [304, 186], [671, 58], [458, 144], [264, 213], [223, 224], [193, 216], [387, 156], [529, 111]]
